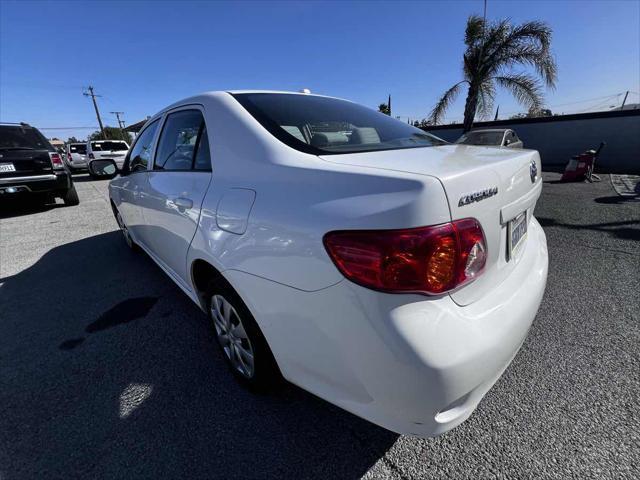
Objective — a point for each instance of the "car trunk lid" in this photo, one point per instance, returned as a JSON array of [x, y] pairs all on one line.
[[21, 163], [493, 185]]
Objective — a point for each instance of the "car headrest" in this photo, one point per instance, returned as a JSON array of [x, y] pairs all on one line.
[[364, 135]]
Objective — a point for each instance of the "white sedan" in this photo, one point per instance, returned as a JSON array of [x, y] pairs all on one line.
[[358, 257], [494, 137]]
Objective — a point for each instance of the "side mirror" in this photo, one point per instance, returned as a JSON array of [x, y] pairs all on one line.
[[103, 168]]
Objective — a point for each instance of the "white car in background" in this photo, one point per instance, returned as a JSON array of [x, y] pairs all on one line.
[[76, 156], [491, 137], [115, 150], [361, 258]]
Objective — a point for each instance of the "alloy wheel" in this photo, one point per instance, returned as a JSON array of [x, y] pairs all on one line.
[[232, 336]]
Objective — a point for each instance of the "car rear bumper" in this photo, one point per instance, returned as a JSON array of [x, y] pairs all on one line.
[[45, 183], [411, 364], [77, 164]]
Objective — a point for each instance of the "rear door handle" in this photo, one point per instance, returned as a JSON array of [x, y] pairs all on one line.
[[182, 202]]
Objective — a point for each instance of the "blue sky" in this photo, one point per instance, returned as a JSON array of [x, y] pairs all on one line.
[[142, 56]]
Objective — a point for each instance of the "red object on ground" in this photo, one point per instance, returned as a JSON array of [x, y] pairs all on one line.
[[581, 166]]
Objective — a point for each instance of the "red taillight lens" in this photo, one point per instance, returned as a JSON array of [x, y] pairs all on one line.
[[430, 260], [56, 160]]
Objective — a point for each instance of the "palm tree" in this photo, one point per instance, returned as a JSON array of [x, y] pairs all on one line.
[[493, 49]]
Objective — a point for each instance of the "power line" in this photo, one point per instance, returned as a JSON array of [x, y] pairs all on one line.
[[67, 128]]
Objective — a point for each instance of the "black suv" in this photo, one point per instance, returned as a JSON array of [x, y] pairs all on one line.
[[30, 166]]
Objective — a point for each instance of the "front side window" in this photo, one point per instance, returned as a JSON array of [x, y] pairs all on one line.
[[109, 146], [141, 152], [178, 141], [322, 125]]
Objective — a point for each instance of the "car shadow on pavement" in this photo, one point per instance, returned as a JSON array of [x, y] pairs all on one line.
[[20, 207], [82, 178], [618, 199], [624, 230], [109, 370]]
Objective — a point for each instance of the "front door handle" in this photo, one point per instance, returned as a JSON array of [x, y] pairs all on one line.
[[184, 203]]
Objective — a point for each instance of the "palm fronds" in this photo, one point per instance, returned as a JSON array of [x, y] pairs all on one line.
[[493, 50], [445, 101]]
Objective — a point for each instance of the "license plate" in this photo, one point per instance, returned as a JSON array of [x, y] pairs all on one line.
[[7, 167], [516, 231]]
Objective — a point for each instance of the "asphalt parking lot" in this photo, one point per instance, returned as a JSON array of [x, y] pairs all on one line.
[[93, 388]]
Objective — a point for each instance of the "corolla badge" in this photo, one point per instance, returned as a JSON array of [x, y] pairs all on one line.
[[477, 196], [533, 171]]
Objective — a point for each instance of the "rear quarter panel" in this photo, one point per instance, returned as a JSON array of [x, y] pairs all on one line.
[[298, 199]]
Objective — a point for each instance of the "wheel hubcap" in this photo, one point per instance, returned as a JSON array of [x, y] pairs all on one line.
[[232, 335]]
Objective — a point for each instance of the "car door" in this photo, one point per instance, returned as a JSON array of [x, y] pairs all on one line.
[[133, 182], [176, 186]]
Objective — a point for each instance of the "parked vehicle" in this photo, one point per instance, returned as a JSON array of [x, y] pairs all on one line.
[[363, 259], [115, 150], [497, 137], [76, 156], [30, 166]]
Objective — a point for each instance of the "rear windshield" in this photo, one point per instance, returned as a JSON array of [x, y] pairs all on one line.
[[321, 125], [80, 148], [22, 138], [109, 146], [481, 138]]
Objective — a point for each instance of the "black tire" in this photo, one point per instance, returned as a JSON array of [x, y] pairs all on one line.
[[266, 375], [133, 246], [70, 197]]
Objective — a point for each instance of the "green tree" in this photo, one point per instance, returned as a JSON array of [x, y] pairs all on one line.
[[543, 112], [493, 49], [112, 133], [73, 140], [384, 108]]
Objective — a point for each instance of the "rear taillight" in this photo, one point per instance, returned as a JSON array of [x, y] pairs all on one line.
[[430, 260], [91, 156], [56, 160]]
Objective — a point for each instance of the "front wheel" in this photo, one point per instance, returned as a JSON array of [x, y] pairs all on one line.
[[242, 343]]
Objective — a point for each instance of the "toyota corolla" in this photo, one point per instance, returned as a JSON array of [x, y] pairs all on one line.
[[363, 259]]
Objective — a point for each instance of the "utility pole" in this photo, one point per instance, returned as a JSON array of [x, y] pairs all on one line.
[[120, 122], [625, 100], [95, 105]]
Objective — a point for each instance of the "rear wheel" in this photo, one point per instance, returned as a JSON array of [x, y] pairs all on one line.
[[125, 232], [70, 196], [244, 347]]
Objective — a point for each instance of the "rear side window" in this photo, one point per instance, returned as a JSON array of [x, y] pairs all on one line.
[[109, 146], [203, 158], [141, 152], [182, 145], [22, 138], [80, 148]]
